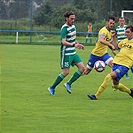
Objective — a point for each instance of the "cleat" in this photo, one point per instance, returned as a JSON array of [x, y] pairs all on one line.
[[114, 89], [131, 93], [92, 97], [127, 77], [51, 91], [68, 87]]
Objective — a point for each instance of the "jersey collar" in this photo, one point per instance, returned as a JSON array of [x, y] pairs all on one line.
[[107, 28]]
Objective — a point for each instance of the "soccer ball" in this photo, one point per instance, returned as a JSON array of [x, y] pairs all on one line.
[[99, 66]]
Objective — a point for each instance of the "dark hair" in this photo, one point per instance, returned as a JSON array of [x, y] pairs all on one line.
[[130, 27], [67, 14], [112, 18], [121, 18]]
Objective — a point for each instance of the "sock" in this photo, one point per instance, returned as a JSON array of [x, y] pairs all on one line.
[[132, 69], [58, 80], [75, 76], [103, 85], [127, 74], [123, 88], [86, 40], [90, 40]]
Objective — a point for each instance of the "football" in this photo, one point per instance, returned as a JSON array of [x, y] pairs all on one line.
[[99, 66]]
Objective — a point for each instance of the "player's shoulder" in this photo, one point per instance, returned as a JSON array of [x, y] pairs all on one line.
[[125, 26], [124, 40], [117, 27], [103, 30], [64, 26]]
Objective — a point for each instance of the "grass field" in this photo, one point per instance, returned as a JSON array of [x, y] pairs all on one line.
[[27, 107]]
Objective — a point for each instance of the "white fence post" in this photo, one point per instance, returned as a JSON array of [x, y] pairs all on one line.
[[16, 37]]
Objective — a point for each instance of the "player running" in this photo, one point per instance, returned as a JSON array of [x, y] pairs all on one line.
[[105, 39], [121, 64]]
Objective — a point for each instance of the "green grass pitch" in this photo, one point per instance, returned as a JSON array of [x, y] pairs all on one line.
[[26, 106]]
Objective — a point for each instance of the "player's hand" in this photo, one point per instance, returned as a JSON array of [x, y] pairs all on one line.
[[79, 46], [113, 33], [112, 47]]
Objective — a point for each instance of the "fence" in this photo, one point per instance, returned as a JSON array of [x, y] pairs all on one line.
[[37, 21], [38, 37]]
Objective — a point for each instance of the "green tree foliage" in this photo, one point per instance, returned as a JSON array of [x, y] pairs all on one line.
[[50, 12], [19, 9], [43, 14], [56, 14], [3, 12]]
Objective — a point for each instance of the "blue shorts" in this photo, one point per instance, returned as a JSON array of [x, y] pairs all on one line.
[[120, 71], [93, 58]]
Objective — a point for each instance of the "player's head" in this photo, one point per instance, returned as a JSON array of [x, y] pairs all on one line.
[[129, 31], [121, 21], [110, 22], [69, 17]]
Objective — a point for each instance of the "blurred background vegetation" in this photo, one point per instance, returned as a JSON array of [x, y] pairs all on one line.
[[47, 15]]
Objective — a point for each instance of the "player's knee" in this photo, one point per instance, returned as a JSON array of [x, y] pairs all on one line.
[[65, 72], [115, 86]]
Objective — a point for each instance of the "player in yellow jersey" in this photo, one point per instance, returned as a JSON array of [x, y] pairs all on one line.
[[100, 51], [121, 64]]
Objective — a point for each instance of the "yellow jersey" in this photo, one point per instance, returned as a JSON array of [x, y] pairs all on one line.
[[125, 56], [100, 49]]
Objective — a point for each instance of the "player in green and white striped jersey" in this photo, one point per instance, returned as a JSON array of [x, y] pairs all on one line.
[[69, 57], [120, 30]]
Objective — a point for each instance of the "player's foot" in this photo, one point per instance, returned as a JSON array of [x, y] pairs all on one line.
[[51, 91], [68, 87], [114, 89], [127, 77], [131, 93], [92, 97]]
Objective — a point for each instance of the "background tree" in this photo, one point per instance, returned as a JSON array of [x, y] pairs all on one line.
[[43, 14]]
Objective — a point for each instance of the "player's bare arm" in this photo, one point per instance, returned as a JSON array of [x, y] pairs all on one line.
[[77, 45], [103, 41]]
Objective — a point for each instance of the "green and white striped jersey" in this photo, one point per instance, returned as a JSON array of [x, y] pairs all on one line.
[[120, 33], [68, 32]]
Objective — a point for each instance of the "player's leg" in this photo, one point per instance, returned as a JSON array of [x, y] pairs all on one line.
[[59, 78], [90, 37], [102, 87], [120, 74], [86, 38], [90, 64], [78, 62], [127, 76], [65, 65], [122, 88], [78, 73]]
